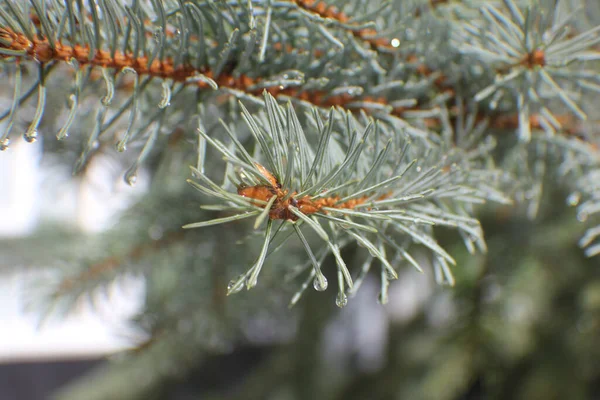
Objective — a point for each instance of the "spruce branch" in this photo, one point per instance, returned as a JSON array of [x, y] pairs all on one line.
[[195, 46], [114, 265], [95, 272], [347, 189], [164, 48], [533, 59], [579, 164]]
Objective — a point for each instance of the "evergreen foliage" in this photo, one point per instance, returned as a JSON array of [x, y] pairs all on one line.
[[315, 130]]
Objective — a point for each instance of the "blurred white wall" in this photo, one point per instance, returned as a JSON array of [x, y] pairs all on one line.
[[28, 195]]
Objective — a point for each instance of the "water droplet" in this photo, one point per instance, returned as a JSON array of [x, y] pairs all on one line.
[[235, 285], [30, 136], [130, 176], [341, 300], [4, 143], [121, 146], [106, 100], [131, 179], [320, 284], [477, 69], [95, 144], [419, 168], [582, 216], [355, 91], [574, 198]]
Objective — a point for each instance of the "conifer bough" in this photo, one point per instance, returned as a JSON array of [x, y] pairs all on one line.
[[350, 179], [362, 182]]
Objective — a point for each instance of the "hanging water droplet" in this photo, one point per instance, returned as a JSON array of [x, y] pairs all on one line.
[[582, 216], [574, 198], [131, 179], [30, 136], [4, 143], [95, 144], [130, 176], [121, 146], [235, 285], [418, 168], [341, 300], [320, 284]]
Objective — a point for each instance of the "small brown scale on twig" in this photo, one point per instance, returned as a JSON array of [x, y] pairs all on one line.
[[536, 57]]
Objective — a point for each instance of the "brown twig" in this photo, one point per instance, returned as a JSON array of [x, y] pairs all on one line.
[[40, 50], [306, 204]]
